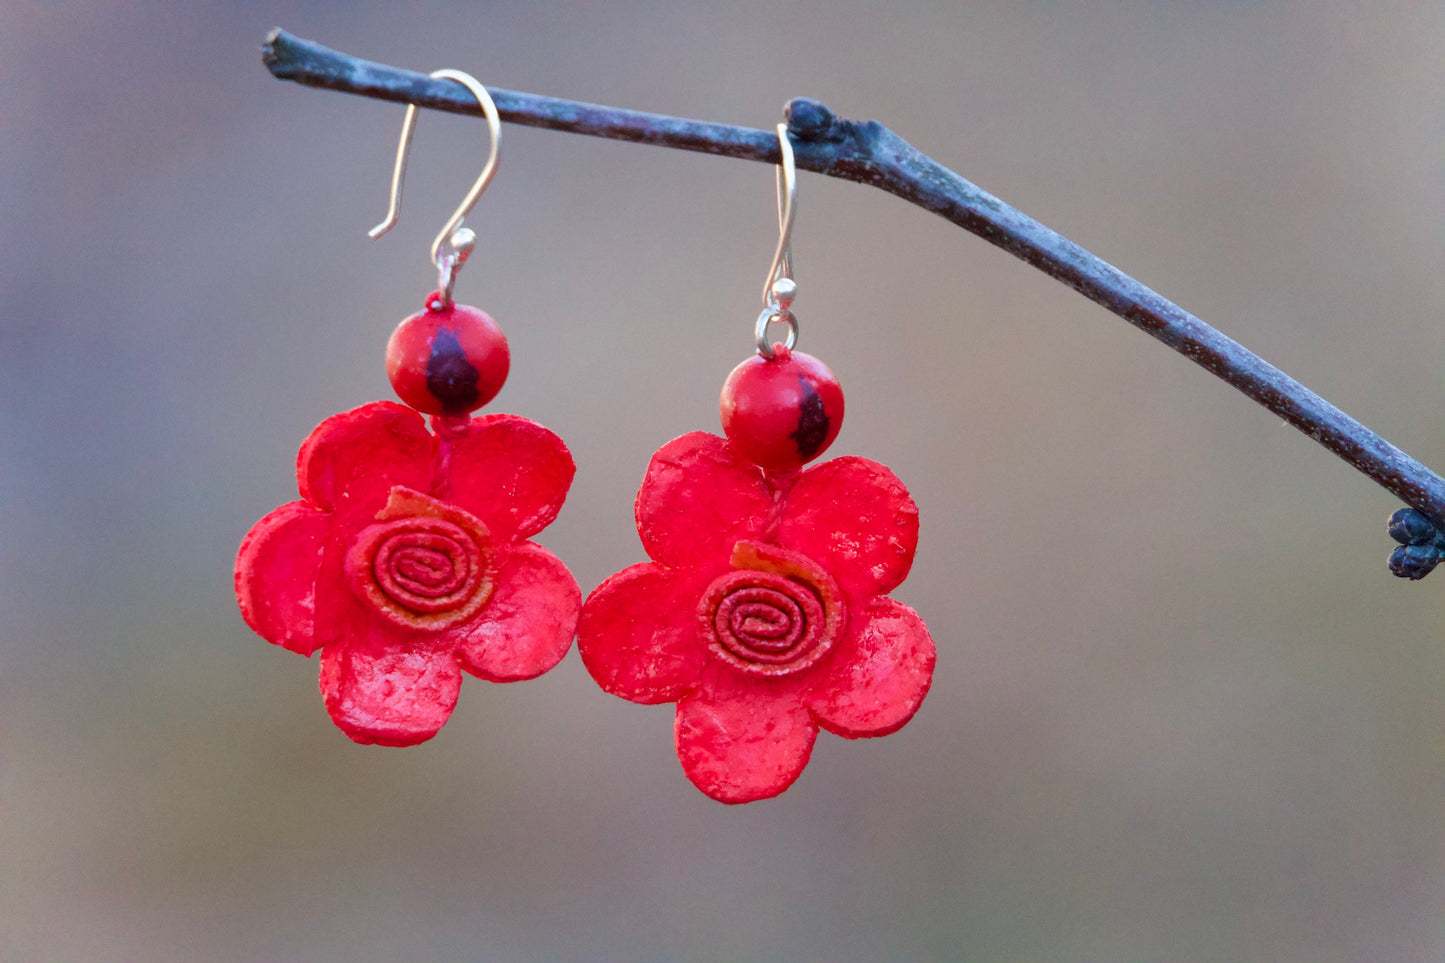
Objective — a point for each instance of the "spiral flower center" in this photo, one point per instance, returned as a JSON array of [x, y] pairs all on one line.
[[776, 613], [424, 564]]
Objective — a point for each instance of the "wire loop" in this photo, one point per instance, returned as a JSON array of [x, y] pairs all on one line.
[[771, 315]]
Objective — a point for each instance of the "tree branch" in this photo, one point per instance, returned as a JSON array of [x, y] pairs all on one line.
[[870, 153]]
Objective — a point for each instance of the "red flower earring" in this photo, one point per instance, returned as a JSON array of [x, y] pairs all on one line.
[[406, 560], [764, 614]]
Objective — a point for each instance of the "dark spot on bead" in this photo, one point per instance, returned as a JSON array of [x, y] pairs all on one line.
[[813, 422], [450, 377]]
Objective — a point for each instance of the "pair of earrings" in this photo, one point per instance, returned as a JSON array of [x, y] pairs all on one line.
[[763, 613]]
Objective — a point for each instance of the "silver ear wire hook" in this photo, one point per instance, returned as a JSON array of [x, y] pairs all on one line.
[[454, 244], [779, 289], [787, 182]]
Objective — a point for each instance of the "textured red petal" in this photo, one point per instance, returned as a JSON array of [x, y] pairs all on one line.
[[276, 572], [874, 683], [698, 499], [638, 635], [351, 461], [387, 693], [509, 471], [528, 625], [855, 518], [341, 618], [744, 744]]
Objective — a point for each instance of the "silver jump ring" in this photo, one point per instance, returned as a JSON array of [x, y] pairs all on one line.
[[773, 314]]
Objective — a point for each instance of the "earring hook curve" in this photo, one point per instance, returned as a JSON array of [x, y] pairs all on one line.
[[779, 289], [787, 184], [457, 240]]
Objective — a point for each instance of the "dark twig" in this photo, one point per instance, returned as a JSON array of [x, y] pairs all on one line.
[[870, 153]]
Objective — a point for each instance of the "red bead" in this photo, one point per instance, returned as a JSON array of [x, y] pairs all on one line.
[[447, 360], [783, 413]]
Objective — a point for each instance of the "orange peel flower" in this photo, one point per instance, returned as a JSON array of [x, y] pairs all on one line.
[[764, 613], [406, 562]]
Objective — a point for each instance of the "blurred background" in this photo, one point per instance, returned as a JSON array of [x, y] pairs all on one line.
[[1182, 712]]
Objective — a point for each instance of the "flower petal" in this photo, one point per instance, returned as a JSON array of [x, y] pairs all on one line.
[[341, 617], [638, 634], [872, 685], [385, 691], [509, 471], [745, 743], [528, 625], [854, 517], [351, 461], [276, 571], [698, 499]]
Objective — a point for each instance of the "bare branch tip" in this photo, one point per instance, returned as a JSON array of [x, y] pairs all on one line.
[[810, 119], [270, 56]]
